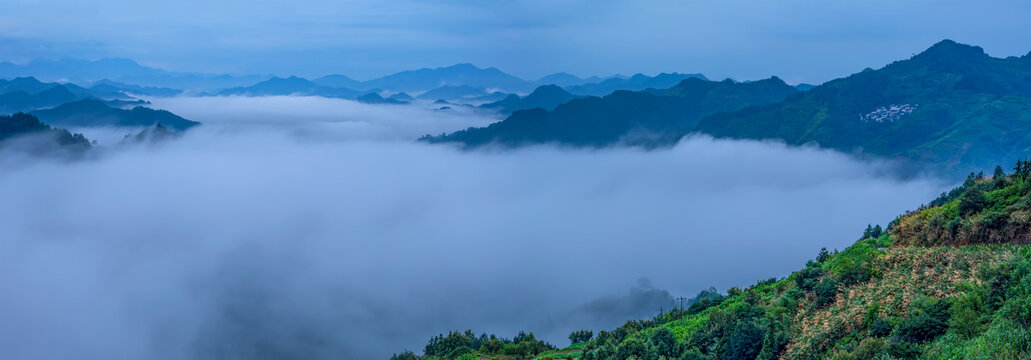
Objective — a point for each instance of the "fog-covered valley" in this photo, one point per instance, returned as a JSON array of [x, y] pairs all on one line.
[[303, 227]]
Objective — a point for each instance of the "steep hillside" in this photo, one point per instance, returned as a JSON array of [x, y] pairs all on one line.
[[952, 108], [650, 117], [951, 280]]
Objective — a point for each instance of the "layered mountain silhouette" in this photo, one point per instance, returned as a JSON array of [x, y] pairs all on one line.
[[374, 98], [649, 118], [124, 71], [291, 86], [27, 94], [563, 79], [95, 113], [546, 97], [951, 108], [634, 83]]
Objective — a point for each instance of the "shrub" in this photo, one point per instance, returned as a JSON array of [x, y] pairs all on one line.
[[972, 201], [903, 350], [931, 321], [458, 352], [636, 347], [744, 342], [693, 354], [665, 343], [807, 278], [825, 292], [880, 328]]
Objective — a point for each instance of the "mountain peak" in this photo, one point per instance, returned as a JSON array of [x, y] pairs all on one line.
[[463, 66], [951, 49]]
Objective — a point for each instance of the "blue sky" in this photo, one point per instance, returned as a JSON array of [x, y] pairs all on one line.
[[798, 40]]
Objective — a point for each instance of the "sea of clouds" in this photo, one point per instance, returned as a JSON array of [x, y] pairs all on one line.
[[297, 227]]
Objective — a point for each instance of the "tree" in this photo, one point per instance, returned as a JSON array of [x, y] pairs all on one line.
[[636, 347], [972, 201], [580, 336], [744, 342], [665, 343], [999, 173], [823, 255], [404, 355]]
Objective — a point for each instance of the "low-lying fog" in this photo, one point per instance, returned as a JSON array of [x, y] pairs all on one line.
[[313, 228]]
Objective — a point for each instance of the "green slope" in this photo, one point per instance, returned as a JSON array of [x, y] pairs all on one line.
[[951, 280]]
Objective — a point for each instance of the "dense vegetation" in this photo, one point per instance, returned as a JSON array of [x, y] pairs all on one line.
[[951, 280], [651, 117]]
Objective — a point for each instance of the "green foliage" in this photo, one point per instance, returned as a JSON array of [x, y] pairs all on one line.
[[580, 336], [903, 350], [880, 328], [826, 291], [931, 319], [404, 355], [972, 201], [635, 347], [864, 302], [867, 350], [665, 343]]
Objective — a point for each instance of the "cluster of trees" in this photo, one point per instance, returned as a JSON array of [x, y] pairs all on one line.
[[21, 124], [580, 336], [467, 345]]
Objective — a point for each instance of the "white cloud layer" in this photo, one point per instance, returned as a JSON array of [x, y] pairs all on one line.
[[244, 239]]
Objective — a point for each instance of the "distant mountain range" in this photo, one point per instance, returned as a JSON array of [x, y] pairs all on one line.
[[122, 71], [291, 86], [634, 83], [461, 82], [649, 118], [28, 93], [951, 108]]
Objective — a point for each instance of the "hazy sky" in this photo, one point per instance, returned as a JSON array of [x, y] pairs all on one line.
[[797, 40]]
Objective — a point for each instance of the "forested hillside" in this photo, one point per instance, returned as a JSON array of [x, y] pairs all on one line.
[[26, 132], [951, 280], [650, 118], [952, 108]]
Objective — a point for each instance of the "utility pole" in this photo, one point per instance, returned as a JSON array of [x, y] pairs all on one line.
[[681, 299]]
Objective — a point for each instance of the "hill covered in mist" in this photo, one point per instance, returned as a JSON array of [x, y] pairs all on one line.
[[950, 109], [25, 133], [650, 118], [947, 281]]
